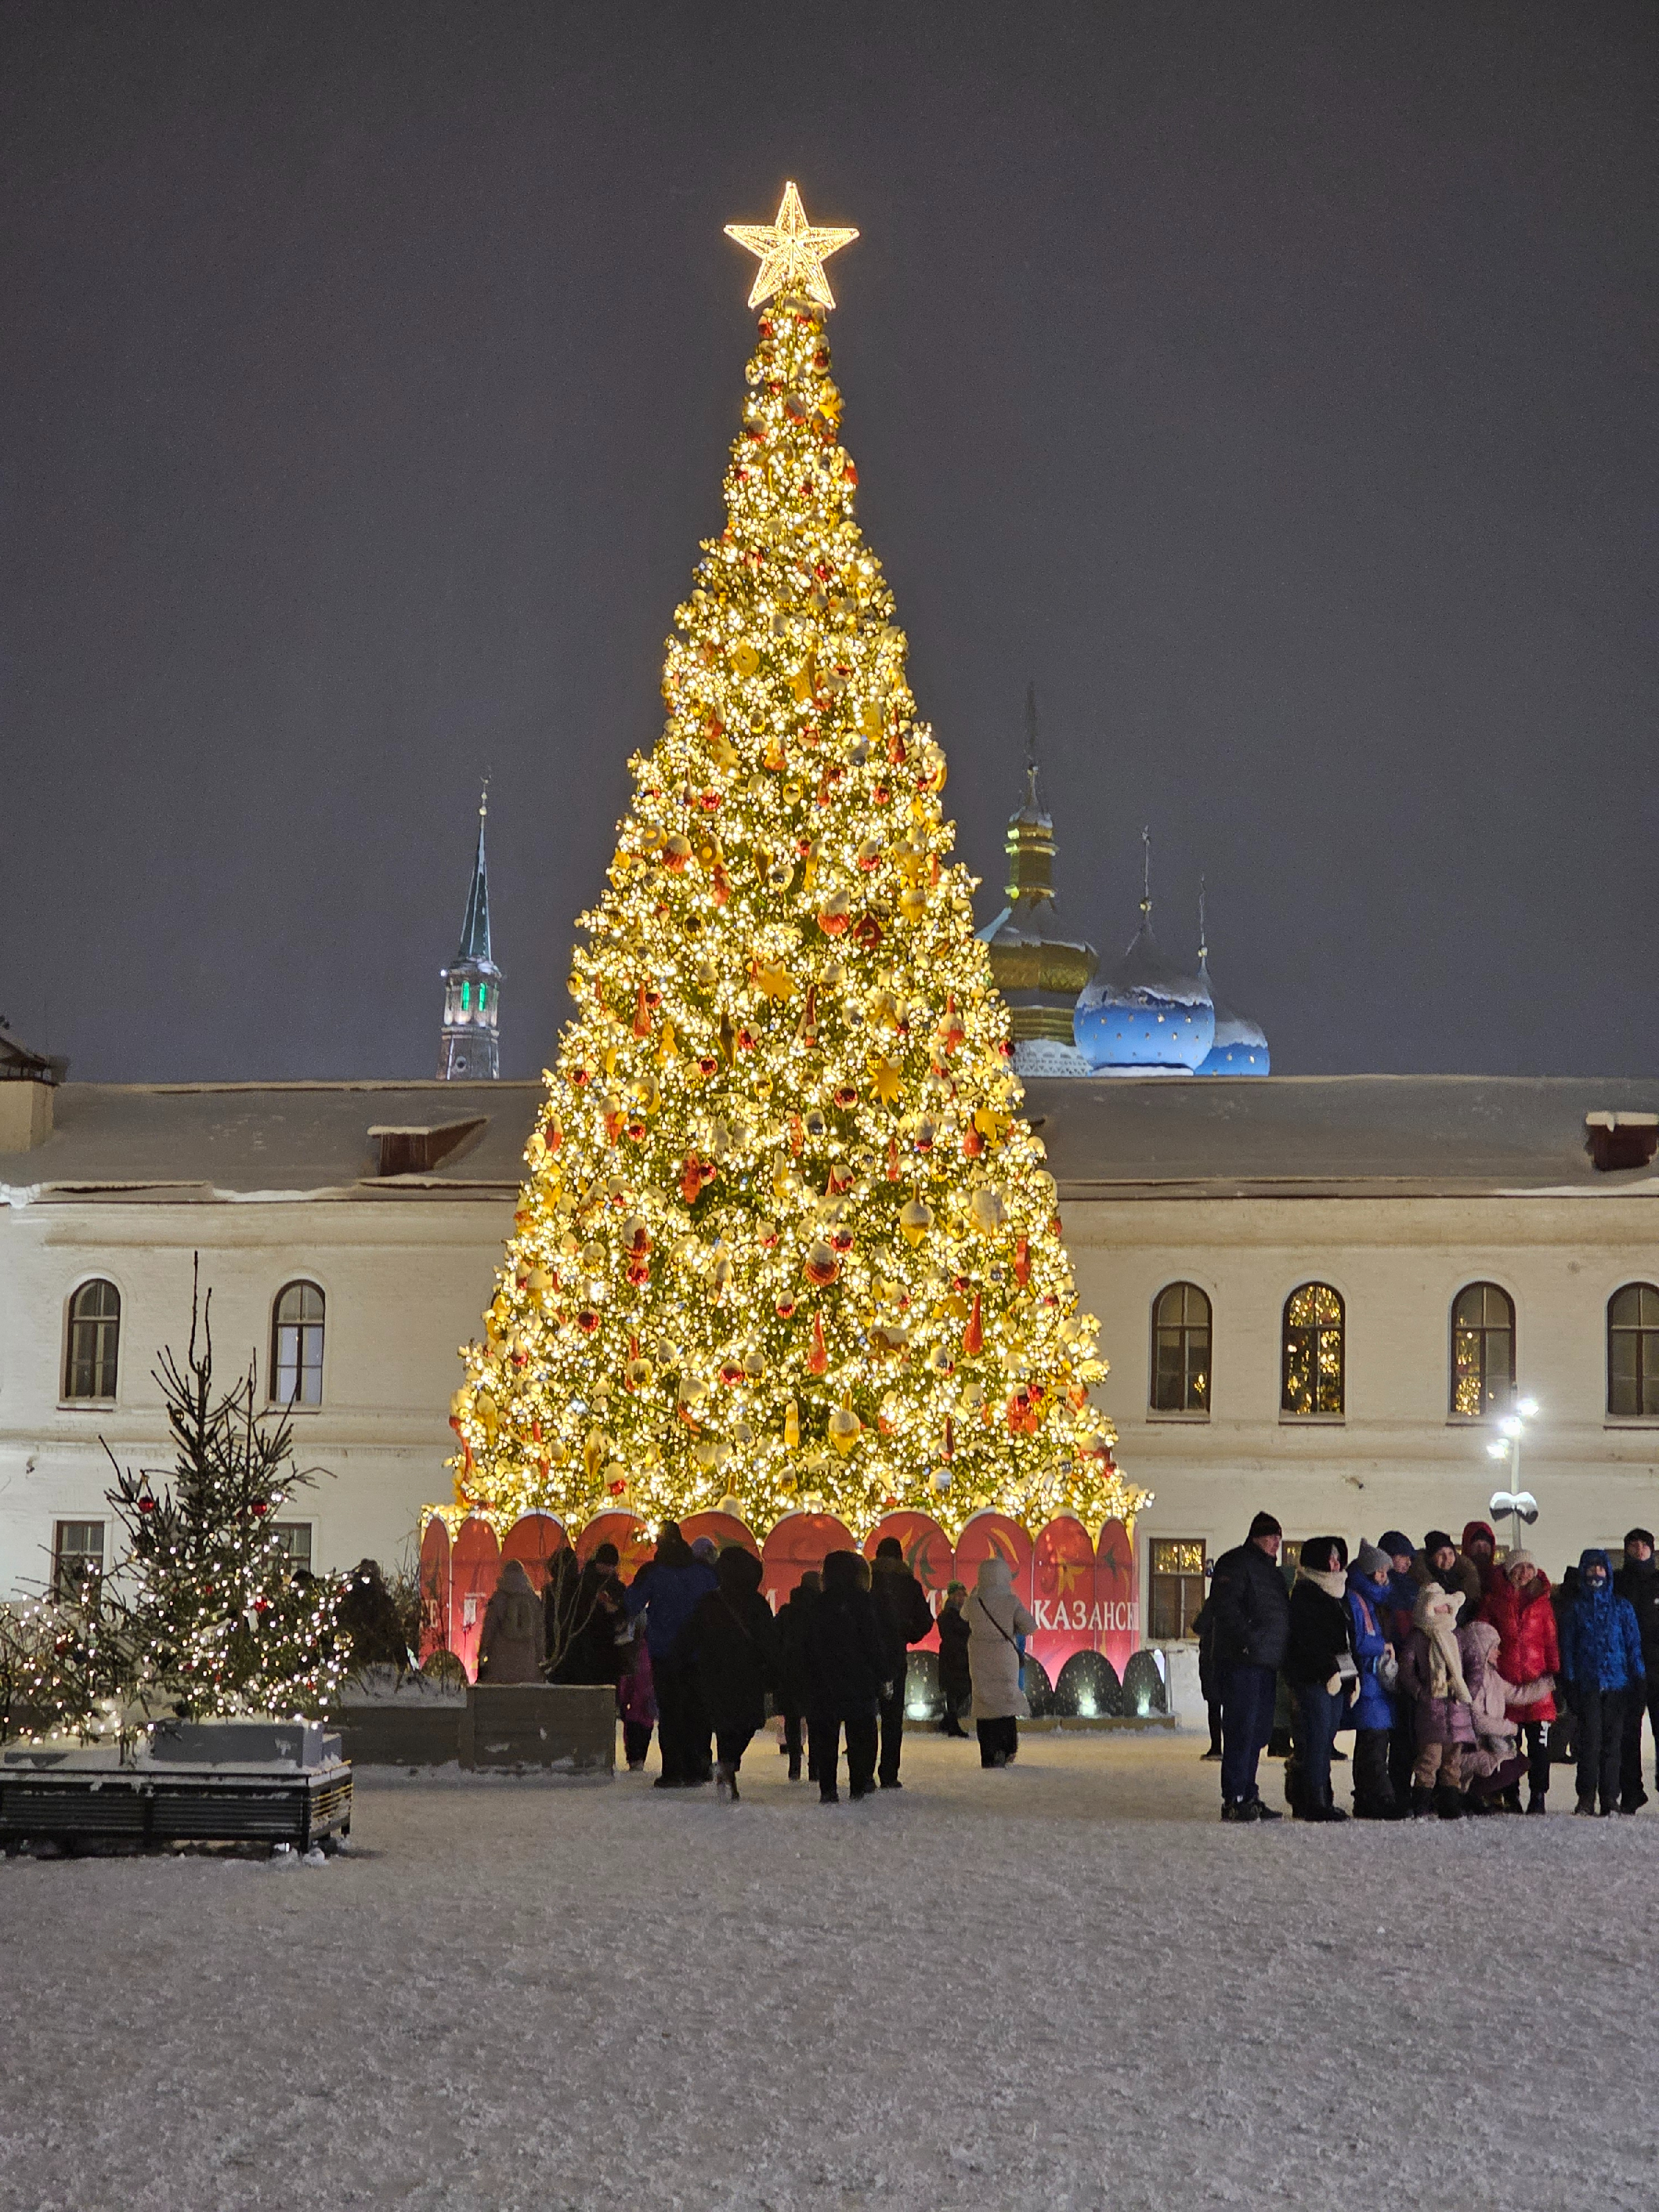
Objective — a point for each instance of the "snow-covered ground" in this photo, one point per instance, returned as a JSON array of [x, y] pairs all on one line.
[[1064, 1986]]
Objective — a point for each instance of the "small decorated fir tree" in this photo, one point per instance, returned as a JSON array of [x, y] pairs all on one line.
[[786, 1239], [212, 1617]]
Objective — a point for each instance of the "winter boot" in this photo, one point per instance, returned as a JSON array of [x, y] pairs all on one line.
[[1447, 1802], [1422, 1801], [1585, 1808], [794, 1768], [1510, 1800], [1633, 1800], [1536, 1803], [724, 1784]]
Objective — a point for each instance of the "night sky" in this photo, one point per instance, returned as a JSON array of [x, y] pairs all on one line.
[[1274, 386]]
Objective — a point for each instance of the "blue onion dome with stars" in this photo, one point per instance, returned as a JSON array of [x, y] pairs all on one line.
[[1147, 1015], [1241, 1045]]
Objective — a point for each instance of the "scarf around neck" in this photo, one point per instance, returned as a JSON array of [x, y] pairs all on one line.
[[1334, 1585]]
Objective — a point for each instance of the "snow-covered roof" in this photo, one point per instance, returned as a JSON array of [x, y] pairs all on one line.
[[1347, 1135], [200, 1141], [1123, 1135]]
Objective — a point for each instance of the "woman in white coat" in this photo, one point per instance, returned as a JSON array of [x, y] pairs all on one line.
[[995, 1618]]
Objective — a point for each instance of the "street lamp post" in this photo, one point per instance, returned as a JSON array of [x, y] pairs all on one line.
[[1520, 1504]]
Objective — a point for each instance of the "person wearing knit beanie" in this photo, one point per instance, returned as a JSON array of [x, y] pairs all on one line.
[[1264, 1525]]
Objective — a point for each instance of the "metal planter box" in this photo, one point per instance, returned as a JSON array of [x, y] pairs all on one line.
[[70, 1797], [569, 1729]]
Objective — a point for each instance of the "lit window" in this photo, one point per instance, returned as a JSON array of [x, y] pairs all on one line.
[[1633, 1351], [1176, 1587], [484, 996], [466, 998], [296, 1346], [95, 1334], [1180, 1351], [293, 1541], [1483, 1350], [1313, 1350], [77, 1559]]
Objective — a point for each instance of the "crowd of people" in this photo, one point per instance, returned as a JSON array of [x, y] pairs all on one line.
[[1462, 1675], [695, 1652]]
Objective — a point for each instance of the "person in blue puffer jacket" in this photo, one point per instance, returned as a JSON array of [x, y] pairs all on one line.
[[665, 1590], [1601, 1658], [1374, 1712]]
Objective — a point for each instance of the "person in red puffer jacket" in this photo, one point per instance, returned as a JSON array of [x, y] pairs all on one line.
[[1517, 1605]]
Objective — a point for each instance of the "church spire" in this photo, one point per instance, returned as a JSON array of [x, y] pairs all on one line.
[[470, 1049]]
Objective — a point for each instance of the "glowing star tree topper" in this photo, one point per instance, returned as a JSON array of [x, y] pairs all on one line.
[[786, 1240]]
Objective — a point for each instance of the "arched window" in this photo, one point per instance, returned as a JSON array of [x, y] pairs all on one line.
[[95, 1341], [1633, 1351], [1312, 1373], [1180, 1351], [1483, 1350], [296, 1346]]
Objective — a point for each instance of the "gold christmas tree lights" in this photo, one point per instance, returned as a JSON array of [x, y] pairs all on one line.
[[792, 254], [786, 1240]]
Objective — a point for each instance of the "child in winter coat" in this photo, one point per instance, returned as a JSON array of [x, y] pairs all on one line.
[[1432, 1673], [1518, 1606], [1601, 1658], [1373, 1711], [1491, 1763], [636, 1701]]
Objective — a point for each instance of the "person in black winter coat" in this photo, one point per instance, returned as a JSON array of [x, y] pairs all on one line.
[[955, 1680], [1252, 1615], [731, 1638], [903, 1617], [369, 1617], [845, 1677], [559, 1612], [1639, 1581], [792, 1623], [1318, 1654], [599, 1606]]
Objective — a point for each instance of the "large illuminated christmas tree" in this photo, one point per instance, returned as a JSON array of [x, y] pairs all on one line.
[[785, 1241]]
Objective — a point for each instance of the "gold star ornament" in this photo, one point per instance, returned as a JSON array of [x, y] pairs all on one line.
[[792, 254]]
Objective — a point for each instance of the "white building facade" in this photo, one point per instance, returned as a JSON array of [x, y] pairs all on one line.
[[349, 1234]]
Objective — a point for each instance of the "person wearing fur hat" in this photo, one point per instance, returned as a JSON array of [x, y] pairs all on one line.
[[1491, 1765], [1638, 1580], [1601, 1658], [731, 1638], [510, 1642], [1372, 1717], [1529, 1659], [956, 1677], [995, 1620], [1319, 1666], [1433, 1674], [1251, 1629]]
